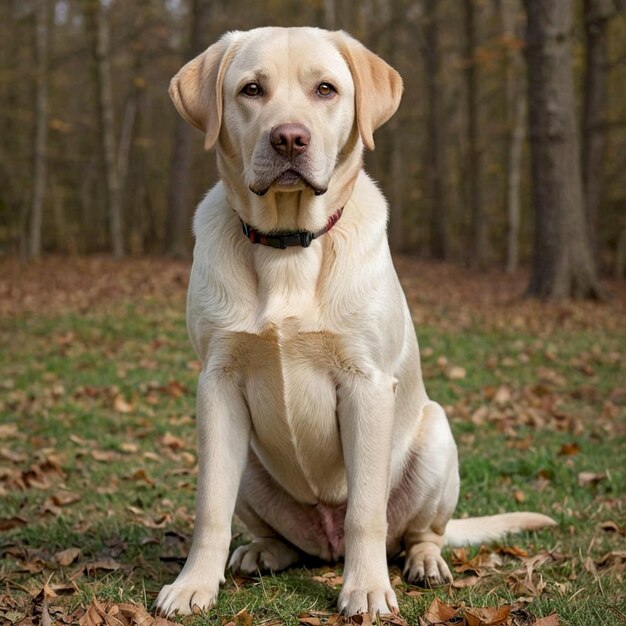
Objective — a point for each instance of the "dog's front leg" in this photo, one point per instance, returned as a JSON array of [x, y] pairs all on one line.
[[223, 427], [365, 410]]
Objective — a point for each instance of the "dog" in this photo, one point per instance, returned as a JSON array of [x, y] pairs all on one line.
[[313, 422]]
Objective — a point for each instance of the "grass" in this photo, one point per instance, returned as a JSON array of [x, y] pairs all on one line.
[[98, 401]]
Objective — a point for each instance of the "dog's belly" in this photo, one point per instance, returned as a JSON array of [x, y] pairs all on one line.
[[291, 395]]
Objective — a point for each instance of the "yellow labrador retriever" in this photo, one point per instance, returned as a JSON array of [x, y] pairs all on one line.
[[313, 422]]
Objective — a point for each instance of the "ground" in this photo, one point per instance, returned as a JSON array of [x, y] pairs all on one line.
[[98, 463]]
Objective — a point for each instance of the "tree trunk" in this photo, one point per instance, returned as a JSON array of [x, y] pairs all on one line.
[[330, 14], [478, 244], [516, 117], [563, 265], [42, 14], [395, 166], [100, 42], [178, 244], [435, 149], [596, 17]]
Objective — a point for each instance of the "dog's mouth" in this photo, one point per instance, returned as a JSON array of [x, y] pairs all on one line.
[[289, 180]]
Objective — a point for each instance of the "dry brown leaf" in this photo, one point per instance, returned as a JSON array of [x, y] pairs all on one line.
[[121, 405], [465, 582], [440, 613], [9, 523], [569, 449], [141, 475], [243, 618], [516, 551], [612, 559], [330, 579], [487, 616], [66, 557], [137, 615], [590, 478], [107, 564], [104, 456], [485, 560], [456, 373], [63, 498], [551, 620], [311, 620], [611, 527], [8, 431], [502, 396], [173, 442], [93, 615]]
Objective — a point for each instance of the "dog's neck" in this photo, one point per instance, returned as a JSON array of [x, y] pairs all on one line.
[[288, 211]]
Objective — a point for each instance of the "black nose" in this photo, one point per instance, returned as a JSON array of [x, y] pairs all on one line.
[[290, 139]]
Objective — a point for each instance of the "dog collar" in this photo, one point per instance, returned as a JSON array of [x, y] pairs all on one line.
[[283, 240]]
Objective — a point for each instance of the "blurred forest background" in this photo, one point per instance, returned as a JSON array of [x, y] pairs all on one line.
[[509, 147]]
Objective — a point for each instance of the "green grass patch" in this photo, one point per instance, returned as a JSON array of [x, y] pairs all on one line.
[[101, 405]]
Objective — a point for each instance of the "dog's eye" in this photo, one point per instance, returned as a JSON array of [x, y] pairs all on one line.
[[252, 90], [326, 90]]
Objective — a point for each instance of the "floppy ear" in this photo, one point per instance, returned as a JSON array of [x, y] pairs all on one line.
[[378, 87], [196, 90]]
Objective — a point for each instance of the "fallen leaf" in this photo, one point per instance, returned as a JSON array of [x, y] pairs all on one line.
[[611, 527], [465, 582], [551, 620], [121, 406], [9, 523], [612, 559], [173, 442], [66, 557], [487, 616], [456, 373], [591, 478], [330, 579], [142, 475], [107, 564], [243, 618], [63, 498], [438, 612], [502, 396], [7, 431], [568, 449], [104, 456]]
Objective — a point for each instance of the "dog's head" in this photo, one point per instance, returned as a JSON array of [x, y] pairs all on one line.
[[289, 108]]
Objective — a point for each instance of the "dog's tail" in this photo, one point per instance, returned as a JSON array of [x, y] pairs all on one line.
[[477, 530]]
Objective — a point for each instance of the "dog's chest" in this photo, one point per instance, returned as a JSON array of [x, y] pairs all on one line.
[[291, 394]]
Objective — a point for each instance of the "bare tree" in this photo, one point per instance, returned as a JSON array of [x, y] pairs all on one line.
[[563, 265], [473, 167], [203, 32], [435, 151], [99, 32], [42, 25], [516, 117], [597, 14]]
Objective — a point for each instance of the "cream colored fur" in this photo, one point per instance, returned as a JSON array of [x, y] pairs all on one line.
[[311, 409]]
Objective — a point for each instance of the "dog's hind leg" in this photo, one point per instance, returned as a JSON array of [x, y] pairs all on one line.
[[280, 526], [436, 465], [267, 551]]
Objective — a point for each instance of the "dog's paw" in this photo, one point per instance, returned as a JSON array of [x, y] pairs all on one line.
[[425, 567], [371, 600], [185, 598], [262, 554]]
